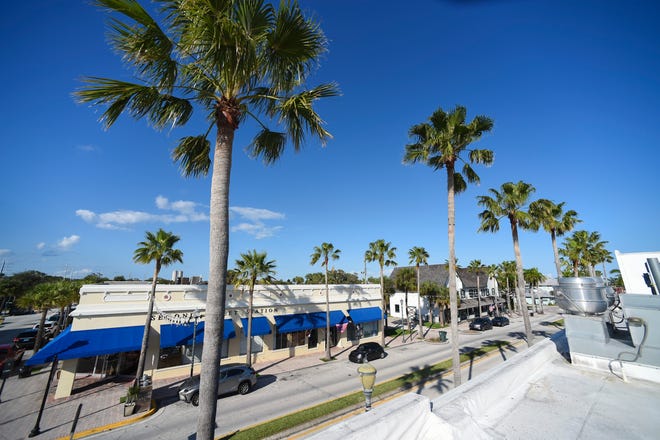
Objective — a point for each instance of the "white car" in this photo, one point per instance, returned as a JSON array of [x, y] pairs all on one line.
[[49, 327]]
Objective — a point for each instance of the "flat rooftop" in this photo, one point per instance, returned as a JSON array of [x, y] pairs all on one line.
[[537, 394]]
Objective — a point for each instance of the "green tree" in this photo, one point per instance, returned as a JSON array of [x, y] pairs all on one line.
[[325, 253], [384, 253], [507, 276], [511, 202], [158, 248], [431, 290], [233, 60], [419, 255], [41, 297], [441, 143], [405, 281], [555, 221], [251, 268], [533, 276], [66, 292], [476, 267]]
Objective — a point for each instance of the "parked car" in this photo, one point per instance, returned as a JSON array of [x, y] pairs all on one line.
[[10, 356], [49, 327], [26, 339], [500, 321], [233, 378], [482, 324], [366, 352]]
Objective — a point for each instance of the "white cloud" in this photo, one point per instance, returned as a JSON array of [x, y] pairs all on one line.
[[67, 242], [5, 252], [253, 223], [183, 211], [41, 245]]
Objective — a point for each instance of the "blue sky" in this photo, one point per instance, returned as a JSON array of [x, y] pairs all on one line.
[[573, 89]]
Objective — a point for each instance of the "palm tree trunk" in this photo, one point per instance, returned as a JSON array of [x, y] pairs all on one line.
[[419, 307], [217, 287], [478, 297], [520, 289], [249, 325], [382, 299], [147, 325], [556, 253], [576, 271], [328, 356], [453, 301]]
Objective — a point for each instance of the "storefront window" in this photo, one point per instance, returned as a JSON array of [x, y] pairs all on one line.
[[286, 340], [369, 329], [257, 345]]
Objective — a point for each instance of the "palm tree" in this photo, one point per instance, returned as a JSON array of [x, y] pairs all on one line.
[[555, 221], [534, 277], [41, 297], [511, 202], [418, 255], [382, 252], [507, 273], [66, 293], [476, 267], [158, 248], [326, 252], [441, 143], [576, 250], [232, 60], [405, 280], [251, 268]]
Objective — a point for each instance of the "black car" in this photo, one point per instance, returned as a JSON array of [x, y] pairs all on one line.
[[500, 321], [482, 324], [26, 339], [367, 352]]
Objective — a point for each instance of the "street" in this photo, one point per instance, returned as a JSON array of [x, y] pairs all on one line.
[[275, 396]]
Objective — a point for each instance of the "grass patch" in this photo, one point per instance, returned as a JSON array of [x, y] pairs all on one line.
[[356, 399]]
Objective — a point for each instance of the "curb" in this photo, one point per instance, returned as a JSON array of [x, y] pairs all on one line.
[[115, 425]]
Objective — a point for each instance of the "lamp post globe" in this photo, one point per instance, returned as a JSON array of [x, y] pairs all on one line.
[[368, 378]]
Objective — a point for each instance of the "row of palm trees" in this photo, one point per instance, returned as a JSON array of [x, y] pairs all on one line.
[[251, 59]]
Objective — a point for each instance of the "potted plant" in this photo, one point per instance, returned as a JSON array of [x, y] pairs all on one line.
[[130, 400]]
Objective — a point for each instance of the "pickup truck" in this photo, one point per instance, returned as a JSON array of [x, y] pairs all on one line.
[[10, 357]]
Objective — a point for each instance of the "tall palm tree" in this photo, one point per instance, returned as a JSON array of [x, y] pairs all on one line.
[[555, 221], [325, 253], [441, 143], [66, 293], [158, 248], [231, 60], [511, 202], [384, 253], [576, 249], [418, 255], [533, 276], [475, 266], [493, 271], [251, 268]]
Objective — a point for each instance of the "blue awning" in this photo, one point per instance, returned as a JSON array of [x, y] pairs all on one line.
[[260, 326], [307, 321], [336, 317], [365, 315], [293, 323], [172, 335], [85, 343]]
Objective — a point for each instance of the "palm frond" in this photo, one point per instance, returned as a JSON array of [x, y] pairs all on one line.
[[268, 145], [482, 156], [459, 183], [471, 175], [194, 155], [140, 101], [297, 114]]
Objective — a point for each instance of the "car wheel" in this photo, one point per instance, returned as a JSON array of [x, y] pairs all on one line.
[[244, 388], [195, 399]]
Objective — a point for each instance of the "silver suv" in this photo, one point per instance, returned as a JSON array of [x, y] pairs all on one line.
[[231, 378]]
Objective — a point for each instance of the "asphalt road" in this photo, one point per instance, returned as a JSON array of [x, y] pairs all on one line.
[[279, 395]]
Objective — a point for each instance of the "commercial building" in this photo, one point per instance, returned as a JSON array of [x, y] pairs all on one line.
[[288, 320]]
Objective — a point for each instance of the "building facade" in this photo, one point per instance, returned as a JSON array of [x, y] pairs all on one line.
[[287, 320]]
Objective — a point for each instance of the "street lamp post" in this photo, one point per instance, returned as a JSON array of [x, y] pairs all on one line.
[[368, 378], [36, 430], [195, 316]]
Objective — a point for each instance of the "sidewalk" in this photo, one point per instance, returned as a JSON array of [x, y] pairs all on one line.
[[21, 397]]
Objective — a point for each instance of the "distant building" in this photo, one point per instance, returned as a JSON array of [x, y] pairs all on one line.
[[466, 286]]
